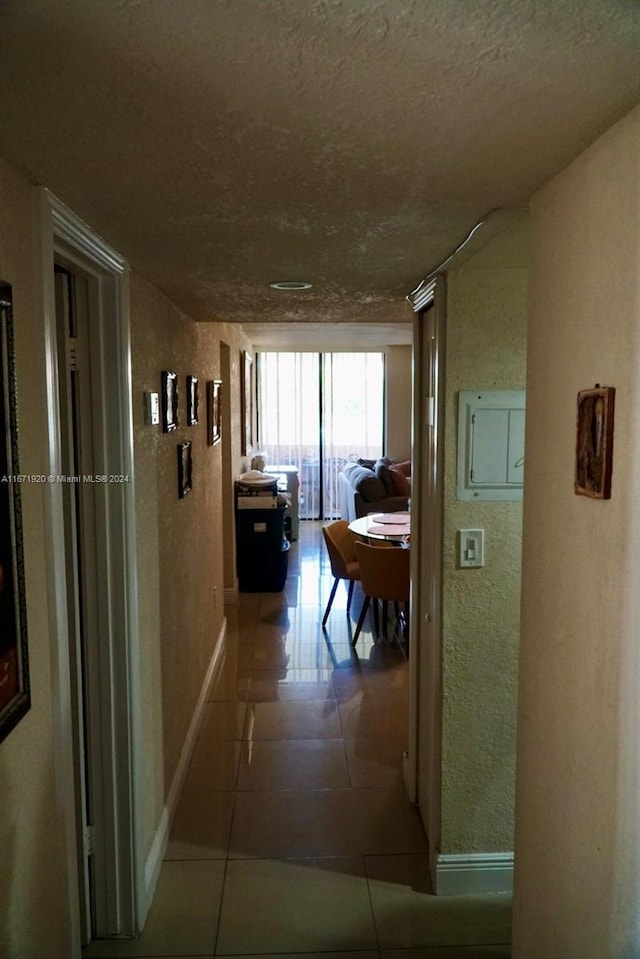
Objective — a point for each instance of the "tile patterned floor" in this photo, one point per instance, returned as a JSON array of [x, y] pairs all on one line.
[[293, 835]]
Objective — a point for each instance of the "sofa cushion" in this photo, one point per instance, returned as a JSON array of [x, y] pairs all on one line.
[[381, 469], [404, 467], [365, 482], [401, 485]]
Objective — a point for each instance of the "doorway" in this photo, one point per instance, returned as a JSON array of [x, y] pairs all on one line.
[[423, 761], [89, 521]]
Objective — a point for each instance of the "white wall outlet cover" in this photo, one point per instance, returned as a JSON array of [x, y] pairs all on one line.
[[152, 409]]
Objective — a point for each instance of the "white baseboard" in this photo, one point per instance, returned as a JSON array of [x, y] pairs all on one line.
[[161, 837], [474, 873]]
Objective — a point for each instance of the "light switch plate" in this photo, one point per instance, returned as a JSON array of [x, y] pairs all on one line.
[[470, 548]]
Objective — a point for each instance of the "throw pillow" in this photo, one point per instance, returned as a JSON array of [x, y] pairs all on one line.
[[381, 469], [401, 485], [404, 467]]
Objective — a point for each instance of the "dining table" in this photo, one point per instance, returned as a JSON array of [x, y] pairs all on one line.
[[392, 527]]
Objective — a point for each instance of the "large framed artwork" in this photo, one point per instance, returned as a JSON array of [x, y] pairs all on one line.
[[15, 698], [594, 442]]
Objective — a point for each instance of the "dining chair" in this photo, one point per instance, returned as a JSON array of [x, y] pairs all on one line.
[[384, 575], [340, 542]]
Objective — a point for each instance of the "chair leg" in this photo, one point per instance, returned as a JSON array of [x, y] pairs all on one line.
[[332, 594], [376, 619], [363, 613], [350, 594]]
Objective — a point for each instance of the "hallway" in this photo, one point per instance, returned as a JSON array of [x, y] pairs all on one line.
[[293, 833]]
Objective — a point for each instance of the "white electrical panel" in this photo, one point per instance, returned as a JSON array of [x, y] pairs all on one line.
[[491, 444]]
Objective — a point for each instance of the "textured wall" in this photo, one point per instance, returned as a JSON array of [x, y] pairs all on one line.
[[34, 908], [486, 346], [398, 402], [180, 542], [577, 849]]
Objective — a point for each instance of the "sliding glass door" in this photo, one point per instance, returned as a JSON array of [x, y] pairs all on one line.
[[317, 411]]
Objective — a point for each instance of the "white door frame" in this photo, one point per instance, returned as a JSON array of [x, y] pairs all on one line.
[[422, 770], [124, 897]]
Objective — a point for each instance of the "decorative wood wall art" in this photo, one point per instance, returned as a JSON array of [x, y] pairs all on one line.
[[594, 444], [192, 400], [15, 698], [169, 401], [185, 469], [214, 411]]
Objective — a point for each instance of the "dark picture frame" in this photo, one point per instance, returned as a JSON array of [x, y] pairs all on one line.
[[214, 412], [169, 396], [594, 442], [185, 469], [15, 694], [192, 400]]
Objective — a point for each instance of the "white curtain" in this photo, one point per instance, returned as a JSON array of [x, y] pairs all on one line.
[[317, 412]]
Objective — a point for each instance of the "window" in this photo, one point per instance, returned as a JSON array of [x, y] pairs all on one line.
[[317, 412]]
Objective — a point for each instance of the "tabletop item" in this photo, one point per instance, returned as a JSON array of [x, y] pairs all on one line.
[[391, 519], [387, 529]]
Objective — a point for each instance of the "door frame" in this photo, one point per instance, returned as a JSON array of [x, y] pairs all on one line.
[[422, 768], [122, 887]]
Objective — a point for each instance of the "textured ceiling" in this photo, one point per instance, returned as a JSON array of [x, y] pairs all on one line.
[[223, 144]]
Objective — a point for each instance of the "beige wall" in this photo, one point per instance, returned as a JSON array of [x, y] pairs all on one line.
[[577, 845], [179, 541], [34, 908], [486, 346], [398, 402]]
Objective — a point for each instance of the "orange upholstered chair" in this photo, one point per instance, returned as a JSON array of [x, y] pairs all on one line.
[[340, 543], [385, 575]]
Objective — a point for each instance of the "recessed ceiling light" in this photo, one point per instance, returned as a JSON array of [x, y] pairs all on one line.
[[290, 286]]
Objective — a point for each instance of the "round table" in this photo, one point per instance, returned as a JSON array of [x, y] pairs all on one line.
[[393, 527]]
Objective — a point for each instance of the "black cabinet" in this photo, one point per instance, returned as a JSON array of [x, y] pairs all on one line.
[[262, 550]]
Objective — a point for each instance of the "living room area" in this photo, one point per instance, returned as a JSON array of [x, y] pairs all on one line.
[[320, 414]]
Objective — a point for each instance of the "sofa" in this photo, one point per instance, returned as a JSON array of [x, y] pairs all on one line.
[[374, 486]]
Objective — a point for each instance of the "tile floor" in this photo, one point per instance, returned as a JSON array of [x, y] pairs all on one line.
[[293, 834]]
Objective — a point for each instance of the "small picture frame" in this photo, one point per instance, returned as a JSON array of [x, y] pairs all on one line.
[[169, 396], [192, 400], [185, 469], [594, 442], [214, 411]]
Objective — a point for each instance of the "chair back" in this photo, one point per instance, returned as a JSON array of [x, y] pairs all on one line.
[[384, 573], [340, 542]]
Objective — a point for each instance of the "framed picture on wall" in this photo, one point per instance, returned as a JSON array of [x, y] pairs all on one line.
[[15, 697], [192, 400], [594, 442], [169, 397], [185, 469], [214, 411]]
